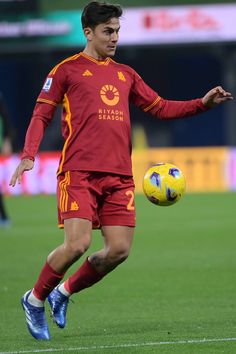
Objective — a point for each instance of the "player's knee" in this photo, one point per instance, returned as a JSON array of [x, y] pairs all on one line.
[[118, 256], [75, 251], [76, 248]]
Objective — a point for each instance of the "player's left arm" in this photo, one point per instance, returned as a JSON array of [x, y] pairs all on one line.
[[167, 109], [148, 100]]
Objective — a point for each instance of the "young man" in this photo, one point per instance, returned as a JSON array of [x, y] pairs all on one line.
[[5, 149], [95, 184]]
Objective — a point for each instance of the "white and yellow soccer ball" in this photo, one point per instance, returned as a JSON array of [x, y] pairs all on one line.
[[164, 184]]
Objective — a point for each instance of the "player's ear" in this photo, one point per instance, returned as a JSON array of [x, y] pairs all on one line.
[[88, 32]]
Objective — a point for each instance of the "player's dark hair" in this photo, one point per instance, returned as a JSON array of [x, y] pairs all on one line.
[[97, 12]]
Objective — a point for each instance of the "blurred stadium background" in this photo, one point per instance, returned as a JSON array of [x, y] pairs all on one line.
[[181, 48]]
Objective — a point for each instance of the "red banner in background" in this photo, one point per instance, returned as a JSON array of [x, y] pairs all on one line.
[[178, 24], [207, 169]]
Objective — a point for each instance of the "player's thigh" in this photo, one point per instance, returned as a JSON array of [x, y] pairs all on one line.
[[118, 239], [78, 234]]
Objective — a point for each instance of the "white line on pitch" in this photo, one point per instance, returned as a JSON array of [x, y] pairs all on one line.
[[127, 345]]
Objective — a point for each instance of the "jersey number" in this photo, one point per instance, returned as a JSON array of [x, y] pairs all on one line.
[[130, 205]]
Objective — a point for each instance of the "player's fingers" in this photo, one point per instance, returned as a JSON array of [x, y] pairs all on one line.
[[228, 98], [25, 165], [16, 176], [228, 94], [213, 92], [224, 93], [219, 89], [14, 179], [19, 178]]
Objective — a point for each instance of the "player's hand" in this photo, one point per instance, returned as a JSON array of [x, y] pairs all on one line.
[[216, 96], [24, 165]]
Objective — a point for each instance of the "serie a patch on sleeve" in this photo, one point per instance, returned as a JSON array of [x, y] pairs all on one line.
[[47, 85]]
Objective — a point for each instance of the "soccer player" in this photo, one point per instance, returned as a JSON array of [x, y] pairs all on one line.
[[95, 186], [6, 149]]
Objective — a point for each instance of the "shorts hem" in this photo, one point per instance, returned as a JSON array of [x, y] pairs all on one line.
[[117, 222], [66, 216]]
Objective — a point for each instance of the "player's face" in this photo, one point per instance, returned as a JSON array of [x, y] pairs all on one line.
[[104, 38]]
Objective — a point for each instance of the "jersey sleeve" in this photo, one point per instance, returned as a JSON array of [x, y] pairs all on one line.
[[149, 101], [50, 96], [42, 116], [142, 95], [54, 87], [167, 109]]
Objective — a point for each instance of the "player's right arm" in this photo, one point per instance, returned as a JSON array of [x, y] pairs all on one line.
[[50, 96], [42, 115]]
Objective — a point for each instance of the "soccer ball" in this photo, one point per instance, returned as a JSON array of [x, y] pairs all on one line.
[[164, 184]]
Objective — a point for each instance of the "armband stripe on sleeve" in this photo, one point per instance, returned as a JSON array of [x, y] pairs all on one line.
[[46, 101], [152, 105]]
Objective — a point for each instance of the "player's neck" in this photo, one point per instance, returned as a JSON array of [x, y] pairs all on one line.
[[93, 54]]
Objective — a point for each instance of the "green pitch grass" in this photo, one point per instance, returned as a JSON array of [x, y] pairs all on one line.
[[175, 294]]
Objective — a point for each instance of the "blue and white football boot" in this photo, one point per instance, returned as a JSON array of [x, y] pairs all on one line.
[[35, 319], [58, 303]]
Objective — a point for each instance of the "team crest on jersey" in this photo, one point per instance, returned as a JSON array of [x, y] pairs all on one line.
[[47, 85], [121, 76], [74, 206]]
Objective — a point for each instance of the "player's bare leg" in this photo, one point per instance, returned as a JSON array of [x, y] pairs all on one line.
[[117, 245], [77, 240]]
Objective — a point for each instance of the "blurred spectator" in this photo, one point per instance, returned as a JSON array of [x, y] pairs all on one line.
[[6, 149]]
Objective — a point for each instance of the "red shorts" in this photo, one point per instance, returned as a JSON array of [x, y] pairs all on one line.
[[102, 198]]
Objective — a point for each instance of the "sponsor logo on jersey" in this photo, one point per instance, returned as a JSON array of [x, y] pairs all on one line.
[[47, 85], [110, 114], [87, 73], [109, 95]]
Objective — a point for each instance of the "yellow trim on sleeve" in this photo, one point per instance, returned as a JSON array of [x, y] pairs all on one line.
[[152, 105], [43, 100]]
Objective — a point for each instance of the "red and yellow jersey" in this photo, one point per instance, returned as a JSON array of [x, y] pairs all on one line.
[[95, 96]]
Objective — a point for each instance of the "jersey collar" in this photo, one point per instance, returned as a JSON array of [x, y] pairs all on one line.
[[98, 62]]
